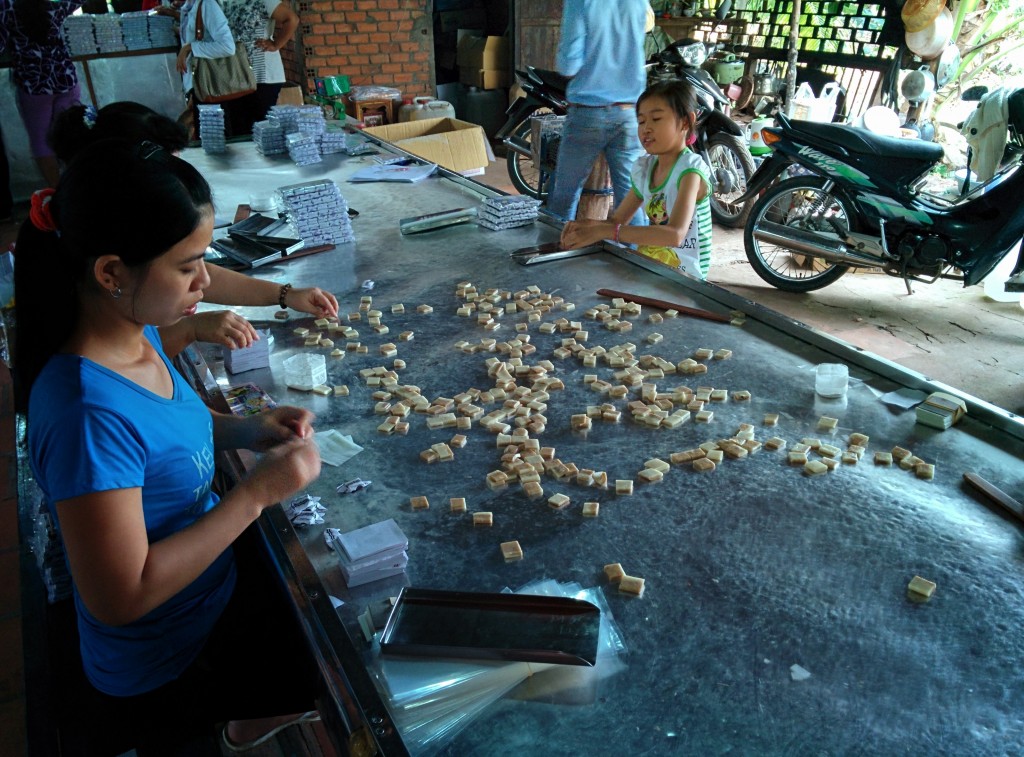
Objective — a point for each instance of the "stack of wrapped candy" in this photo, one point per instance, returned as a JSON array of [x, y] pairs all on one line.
[[269, 137], [318, 212], [211, 128], [497, 213], [303, 148]]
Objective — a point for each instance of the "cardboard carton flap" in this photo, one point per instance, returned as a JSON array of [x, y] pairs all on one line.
[[449, 142]]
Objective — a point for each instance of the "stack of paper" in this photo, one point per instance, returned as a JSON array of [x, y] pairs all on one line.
[[257, 355], [286, 115], [370, 553], [405, 171], [161, 31], [303, 148], [135, 29], [941, 410]]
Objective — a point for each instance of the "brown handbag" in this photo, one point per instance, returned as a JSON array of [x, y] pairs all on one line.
[[217, 80]]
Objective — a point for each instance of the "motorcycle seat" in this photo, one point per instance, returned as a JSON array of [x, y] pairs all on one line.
[[867, 143], [552, 79]]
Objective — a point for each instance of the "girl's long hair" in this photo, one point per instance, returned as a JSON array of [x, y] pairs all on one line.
[[116, 197]]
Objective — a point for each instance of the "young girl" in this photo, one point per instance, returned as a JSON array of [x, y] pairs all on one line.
[[671, 183], [123, 450]]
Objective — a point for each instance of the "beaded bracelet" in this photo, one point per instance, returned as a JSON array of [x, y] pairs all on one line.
[[285, 288]]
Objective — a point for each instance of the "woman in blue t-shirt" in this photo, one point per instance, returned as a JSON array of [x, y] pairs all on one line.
[[123, 450]]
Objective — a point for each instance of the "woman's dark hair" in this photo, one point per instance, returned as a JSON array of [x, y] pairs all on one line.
[[115, 197], [679, 96], [33, 18], [121, 120]]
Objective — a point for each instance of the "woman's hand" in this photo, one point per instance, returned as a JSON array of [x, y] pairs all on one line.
[[278, 426], [225, 328], [183, 55], [312, 300], [266, 45], [283, 471], [164, 10], [578, 234]]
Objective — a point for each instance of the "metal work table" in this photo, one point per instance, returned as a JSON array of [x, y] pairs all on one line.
[[750, 569]]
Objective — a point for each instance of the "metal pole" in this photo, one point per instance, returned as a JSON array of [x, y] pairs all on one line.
[[792, 52]]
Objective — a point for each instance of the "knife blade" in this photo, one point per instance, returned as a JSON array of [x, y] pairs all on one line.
[[997, 495], [542, 253]]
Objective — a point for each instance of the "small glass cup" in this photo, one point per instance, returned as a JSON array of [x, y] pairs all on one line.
[[262, 201], [831, 380]]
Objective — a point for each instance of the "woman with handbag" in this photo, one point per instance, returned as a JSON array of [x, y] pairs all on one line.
[[263, 27], [205, 38]]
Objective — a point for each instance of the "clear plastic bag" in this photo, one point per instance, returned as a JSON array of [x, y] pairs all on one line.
[[432, 701]]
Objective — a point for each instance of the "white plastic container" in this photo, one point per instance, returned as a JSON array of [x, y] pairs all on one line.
[[831, 380], [807, 107]]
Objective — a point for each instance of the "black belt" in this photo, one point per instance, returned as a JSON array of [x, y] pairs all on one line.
[[606, 105]]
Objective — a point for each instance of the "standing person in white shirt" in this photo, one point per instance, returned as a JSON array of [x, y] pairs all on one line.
[[264, 27]]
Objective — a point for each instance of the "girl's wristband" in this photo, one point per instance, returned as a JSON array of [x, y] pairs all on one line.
[[282, 294]]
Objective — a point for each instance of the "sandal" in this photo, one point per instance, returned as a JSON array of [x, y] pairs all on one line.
[[242, 746]]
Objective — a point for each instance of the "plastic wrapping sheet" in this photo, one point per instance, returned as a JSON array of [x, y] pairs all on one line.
[[432, 701]]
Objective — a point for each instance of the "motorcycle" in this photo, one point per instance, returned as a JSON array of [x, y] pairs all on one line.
[[543, 91], [720, 140], [862, 206]]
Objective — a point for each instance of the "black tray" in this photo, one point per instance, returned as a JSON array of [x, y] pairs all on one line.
[[485, 626]]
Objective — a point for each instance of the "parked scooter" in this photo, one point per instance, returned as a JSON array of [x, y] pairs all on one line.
[[720, 140], [543, 91], [865, 208]]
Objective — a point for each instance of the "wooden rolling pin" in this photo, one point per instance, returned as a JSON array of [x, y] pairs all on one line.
[[665, 305], [997, 495]]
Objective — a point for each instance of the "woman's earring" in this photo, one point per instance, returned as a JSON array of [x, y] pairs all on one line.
[[116, 293]]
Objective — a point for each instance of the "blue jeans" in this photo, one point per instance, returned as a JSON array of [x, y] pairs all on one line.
[[586, 134]]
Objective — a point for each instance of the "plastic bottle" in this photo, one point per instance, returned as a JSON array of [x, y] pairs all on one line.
[[406, 108], [419, 109]]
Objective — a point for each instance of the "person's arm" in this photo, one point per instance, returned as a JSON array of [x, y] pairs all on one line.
[[217, 41], [285, 23], [233, 288], [216, 326], [121, 576], [692, 187], [573, 40]]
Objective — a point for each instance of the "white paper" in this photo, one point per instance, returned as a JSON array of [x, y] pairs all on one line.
[[904, 398], [335, 447]]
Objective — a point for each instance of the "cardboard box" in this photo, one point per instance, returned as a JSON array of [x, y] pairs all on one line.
[[291, 94], [484, 78], [454, 144], [490, 53]]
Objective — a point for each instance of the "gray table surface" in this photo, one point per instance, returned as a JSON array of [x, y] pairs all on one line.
[[749, 570]]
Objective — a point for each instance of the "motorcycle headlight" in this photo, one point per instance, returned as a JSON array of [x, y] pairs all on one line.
[[694, 54]]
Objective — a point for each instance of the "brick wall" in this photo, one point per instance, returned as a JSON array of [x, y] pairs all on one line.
[[383, 42]]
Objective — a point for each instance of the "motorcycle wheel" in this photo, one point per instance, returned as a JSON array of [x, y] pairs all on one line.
[[523, 174], [802, 203], [731, 168]]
